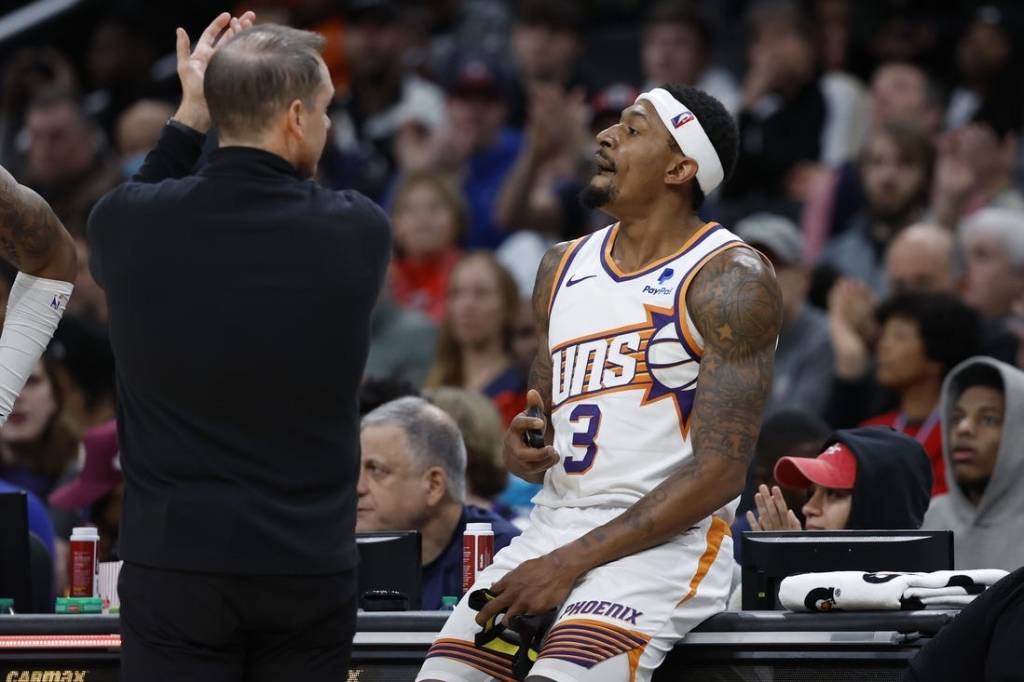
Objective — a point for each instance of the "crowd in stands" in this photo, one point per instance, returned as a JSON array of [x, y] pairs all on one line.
[[880, 171]]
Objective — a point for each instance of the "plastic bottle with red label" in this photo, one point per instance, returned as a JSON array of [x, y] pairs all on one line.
[[477, 552], [84, 567]]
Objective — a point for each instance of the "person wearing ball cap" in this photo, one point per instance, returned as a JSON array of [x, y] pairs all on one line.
[[658, 338], [869, 478]]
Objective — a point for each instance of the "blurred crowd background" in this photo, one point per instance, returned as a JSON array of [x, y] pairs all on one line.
[[880, 170]]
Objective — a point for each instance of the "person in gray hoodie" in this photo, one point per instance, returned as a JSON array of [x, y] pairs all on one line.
[[983, 426]]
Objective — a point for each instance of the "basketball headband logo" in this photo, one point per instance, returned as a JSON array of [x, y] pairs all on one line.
[[692, 139], [679, 120]]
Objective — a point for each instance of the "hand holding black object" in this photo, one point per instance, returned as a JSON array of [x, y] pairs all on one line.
[[525, 455], [534, 437], [526, 633]]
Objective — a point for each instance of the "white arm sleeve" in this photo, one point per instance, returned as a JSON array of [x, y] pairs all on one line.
[[34, 310]]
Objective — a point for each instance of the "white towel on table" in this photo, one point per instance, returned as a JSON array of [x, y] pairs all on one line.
[[860, 591]]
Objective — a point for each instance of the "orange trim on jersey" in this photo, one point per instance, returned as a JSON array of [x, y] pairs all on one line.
[[573, 648], [468, 654], [603, 626], [600, 624], [613, 266], [643, 385], [625, 641], [603, 642], [681, 300], [641, 368], [716, 533], [497, 659], [560, 271], [645, 329], [613, 633], [634, 661]]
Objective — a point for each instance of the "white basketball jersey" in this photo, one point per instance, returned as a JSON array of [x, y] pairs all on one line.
[[625, 357]]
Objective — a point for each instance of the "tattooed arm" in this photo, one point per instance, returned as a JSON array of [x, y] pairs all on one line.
[[736, 305], [31, 237], [525, 462]]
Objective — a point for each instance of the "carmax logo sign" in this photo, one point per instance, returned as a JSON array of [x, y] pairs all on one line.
[[46, 676]]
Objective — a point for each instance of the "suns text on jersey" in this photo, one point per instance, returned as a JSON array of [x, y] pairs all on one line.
[[599, 364]]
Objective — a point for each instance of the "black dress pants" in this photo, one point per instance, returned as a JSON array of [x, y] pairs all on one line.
[[233, 628]]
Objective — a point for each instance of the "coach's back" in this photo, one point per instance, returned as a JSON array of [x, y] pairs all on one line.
[[239, 302]]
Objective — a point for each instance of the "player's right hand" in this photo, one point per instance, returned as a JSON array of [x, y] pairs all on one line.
[[520, 458]]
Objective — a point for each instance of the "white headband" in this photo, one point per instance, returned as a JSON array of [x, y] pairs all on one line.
[[689, 135]]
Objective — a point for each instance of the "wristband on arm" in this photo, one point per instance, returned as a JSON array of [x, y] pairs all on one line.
[[34, 309]]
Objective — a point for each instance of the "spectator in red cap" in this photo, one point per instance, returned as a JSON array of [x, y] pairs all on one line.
[[784, 433], [872, 478], [96, 492]]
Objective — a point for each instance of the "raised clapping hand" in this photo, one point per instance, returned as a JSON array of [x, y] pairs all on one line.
[[556, 118], [193, 111], [851, 306], [772, 511]]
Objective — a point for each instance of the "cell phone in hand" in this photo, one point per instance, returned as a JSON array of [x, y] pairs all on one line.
[[534, 437]]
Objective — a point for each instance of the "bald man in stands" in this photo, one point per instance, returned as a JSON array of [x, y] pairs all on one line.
[[921, 259]]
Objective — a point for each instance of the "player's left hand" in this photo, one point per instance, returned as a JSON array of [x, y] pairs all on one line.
[[535, 586]]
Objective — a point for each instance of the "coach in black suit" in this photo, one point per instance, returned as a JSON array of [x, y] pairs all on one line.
[[240, 300]]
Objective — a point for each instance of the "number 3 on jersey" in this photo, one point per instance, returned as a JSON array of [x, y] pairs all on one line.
[[588, 416]]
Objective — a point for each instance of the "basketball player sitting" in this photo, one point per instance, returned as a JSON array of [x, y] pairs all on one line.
[[660, 333]]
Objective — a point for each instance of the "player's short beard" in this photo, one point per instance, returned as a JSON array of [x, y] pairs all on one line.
[[595, 197]]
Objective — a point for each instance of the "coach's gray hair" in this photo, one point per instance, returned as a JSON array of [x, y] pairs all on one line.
[[434, 439], [1004, 224], [258, 74]]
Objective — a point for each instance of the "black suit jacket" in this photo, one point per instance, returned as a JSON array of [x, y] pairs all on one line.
[[239, 300]]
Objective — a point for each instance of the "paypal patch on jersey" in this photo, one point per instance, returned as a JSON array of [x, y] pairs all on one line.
[[661, 290]]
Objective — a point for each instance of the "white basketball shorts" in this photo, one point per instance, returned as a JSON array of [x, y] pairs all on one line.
[[620, 620]]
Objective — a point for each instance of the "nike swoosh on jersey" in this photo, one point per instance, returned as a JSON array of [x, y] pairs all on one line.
[[572, 281]]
